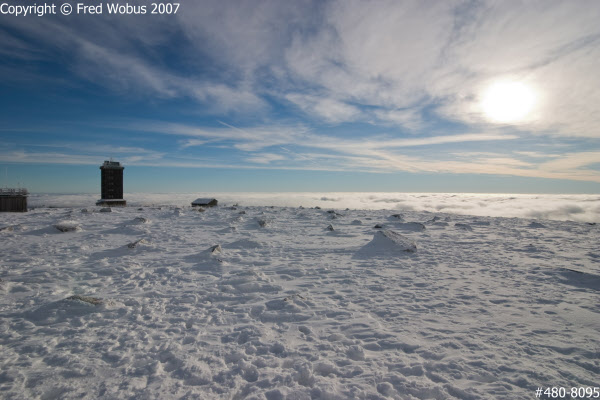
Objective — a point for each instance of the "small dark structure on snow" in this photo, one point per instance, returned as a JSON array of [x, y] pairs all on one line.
[[112, 184], [204, 202], [13, 200]]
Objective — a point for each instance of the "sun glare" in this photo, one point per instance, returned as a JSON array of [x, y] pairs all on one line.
[[508, 101]]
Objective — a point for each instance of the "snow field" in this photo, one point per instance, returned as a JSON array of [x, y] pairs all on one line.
[[284, 308]]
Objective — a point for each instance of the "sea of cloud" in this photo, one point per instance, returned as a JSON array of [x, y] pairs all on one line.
[[584, 208]]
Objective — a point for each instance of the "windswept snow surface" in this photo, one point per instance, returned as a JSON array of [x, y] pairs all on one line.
[[139, 303]]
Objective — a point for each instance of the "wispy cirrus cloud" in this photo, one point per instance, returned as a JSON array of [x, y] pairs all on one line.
[[572, 161], [378, 154], [345, 61], [255, 138], [362, 157], [326, 108], [265, 158], [120, 62], [380, 55], [134, 73]]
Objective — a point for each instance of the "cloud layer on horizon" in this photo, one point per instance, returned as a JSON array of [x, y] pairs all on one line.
[[582, 208]]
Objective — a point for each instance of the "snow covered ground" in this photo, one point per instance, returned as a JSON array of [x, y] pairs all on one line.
[[295, 303]]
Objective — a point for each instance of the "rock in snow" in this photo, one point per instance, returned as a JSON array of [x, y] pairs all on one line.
[[216, 249], [464, 227], [133, 245], [262, 222], [67, 226], [86, 299]]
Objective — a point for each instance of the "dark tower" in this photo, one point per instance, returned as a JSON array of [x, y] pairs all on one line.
[[14, 200], [112, 184]]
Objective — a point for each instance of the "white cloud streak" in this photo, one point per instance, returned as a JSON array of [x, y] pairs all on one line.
[[265, 158], [380, 154]]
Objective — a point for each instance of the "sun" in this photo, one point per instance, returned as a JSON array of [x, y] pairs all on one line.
[[508, 101]]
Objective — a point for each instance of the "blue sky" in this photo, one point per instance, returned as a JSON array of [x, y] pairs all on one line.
[[306, 96]]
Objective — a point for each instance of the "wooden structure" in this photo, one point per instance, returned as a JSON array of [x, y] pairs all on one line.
[[206, 202], [111, 184], [13, 200]]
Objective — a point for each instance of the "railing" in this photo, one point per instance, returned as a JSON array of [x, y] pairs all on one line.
[[13, 192]]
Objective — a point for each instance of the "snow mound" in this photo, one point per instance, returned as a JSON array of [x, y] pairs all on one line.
[[245, 244], [580, 279], [216, 249], [294, 308], [139, 221], [62, 311], [68, 226], [411, 226], [387, 242], [248, 282]]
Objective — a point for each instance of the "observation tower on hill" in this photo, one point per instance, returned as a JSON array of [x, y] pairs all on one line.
[[112, 184]]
